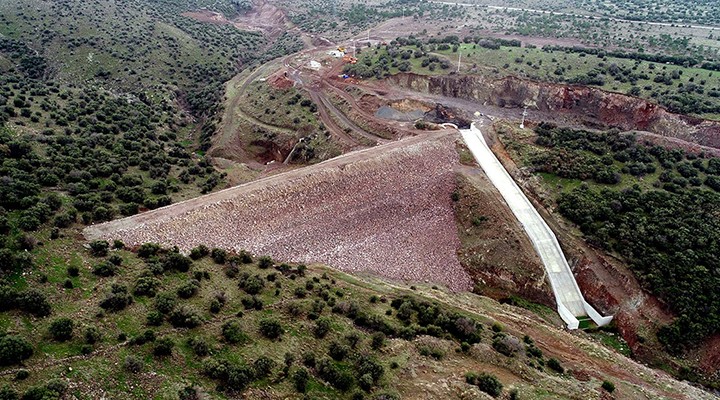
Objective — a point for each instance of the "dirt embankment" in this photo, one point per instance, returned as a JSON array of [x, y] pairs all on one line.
[[385, 210], [590, 105]]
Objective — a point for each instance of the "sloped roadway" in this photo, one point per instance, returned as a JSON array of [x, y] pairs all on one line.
[[570, 301]]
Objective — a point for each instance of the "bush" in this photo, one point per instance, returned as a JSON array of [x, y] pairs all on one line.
[[188, 289], [133, 364], [265, 262], [338, 351], [300, 379], [92, 335], [61, 329], [34, 302], [199, 346], [555, 365], [73, 271], [8, 393], [21, 375], [199, 252], [146, 286], [174, 261], [489, 384], [322, 327], [189, 392], [185, 317], [14, 349], [154, 318], [99, 248], [165, 302], [270, 328], [105, 269], [263, 367], [608, 386], [148, 250], [163, 347], [117, 299], [218, 255], [251, 284], [232, 332], [378, 340]]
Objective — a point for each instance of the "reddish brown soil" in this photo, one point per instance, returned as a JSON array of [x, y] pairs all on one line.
[[385, 210], [496, 251], [280, 81], [588, 105]]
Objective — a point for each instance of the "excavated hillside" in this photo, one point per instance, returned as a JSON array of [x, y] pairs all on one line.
[[588, 105]]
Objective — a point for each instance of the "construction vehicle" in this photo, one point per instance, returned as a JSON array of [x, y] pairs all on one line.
[[349, 59], [341, 49]]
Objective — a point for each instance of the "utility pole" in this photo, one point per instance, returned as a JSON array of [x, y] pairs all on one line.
[[522, 122]]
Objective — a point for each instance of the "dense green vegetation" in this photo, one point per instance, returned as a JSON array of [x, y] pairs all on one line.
[[90, 129], [658, 208], [329, 17], [245, 323]]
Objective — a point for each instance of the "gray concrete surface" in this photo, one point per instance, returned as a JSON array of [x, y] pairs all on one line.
[[570, 301]]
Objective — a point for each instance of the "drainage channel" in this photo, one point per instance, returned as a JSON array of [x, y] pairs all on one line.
[[570, 301]]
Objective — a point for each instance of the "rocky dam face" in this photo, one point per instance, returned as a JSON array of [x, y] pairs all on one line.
[[592, 106]]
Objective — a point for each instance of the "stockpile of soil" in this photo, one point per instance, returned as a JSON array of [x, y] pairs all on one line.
[[385, 210]]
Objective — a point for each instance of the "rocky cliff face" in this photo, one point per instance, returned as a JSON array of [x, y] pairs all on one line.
[[589, 105]]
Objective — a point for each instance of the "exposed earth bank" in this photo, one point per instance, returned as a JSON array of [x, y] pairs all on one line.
[[592, 106]]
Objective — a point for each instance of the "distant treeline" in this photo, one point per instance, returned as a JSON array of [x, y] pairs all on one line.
[[682, 61]]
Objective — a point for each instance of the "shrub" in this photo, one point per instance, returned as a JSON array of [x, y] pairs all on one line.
[[174, 261], [61, 329], [300, 379], [146, 286], [252, 302], [34, 302], [154, 318], [232, 332], [14, 349], [133, 364], [251, 284], [165, 302], [163, 347], [189, 392], [263, 366], [270, 328], [555, 365], [308, 359], [92, 335], [117, 299], [148, 250], [608, 386], [185, 317], [265, 262], [8, 393], [188, 289], [489, 384], [199, 252], [99, 248], [338, 351], [219, 256], [21, 375], [73, 271], [378, 340], [105, 269], [199, 346], [322, 327]]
